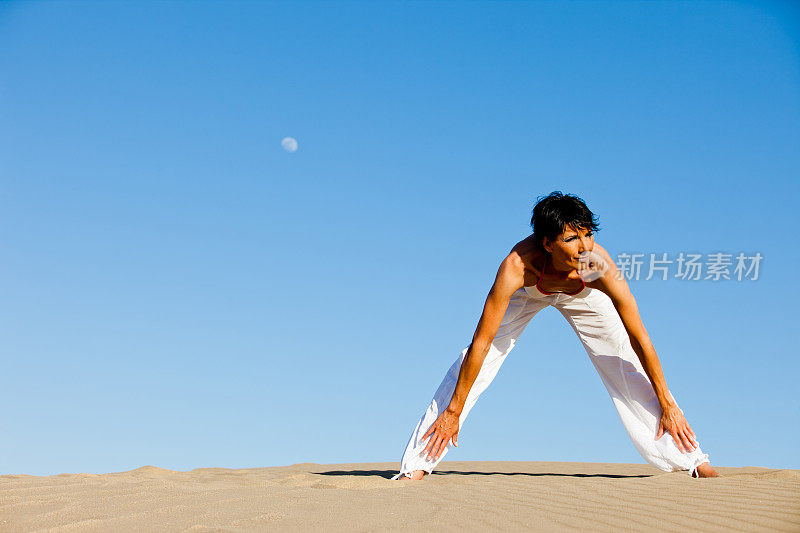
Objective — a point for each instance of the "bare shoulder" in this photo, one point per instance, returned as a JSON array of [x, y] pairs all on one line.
[[513, 261], [512, 266], [610, 281], [599, 249], [510, 275], [606, 264]]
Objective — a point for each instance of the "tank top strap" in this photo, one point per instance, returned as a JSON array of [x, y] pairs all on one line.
[[538, 281]]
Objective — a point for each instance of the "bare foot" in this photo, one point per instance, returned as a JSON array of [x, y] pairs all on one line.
[[705, 470], [416, 475]]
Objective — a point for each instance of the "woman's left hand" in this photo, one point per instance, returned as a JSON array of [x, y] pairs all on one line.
[[673, 421]]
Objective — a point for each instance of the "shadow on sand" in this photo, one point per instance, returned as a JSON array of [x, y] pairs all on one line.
[[389, 473]]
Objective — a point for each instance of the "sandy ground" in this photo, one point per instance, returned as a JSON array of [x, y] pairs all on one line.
[[543, 496]]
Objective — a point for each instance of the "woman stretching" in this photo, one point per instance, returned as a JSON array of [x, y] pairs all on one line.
[[561, 265]]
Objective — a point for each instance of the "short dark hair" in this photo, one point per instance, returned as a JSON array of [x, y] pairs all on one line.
[[554, 212]]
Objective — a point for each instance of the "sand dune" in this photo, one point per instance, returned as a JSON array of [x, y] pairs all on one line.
[[545, 496]]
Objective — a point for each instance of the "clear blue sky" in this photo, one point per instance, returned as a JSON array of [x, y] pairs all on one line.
[[180, 291]]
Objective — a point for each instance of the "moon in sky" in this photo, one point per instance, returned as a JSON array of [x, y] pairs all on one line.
[[289, 144]]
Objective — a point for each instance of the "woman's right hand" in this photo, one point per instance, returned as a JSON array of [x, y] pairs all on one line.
[[441, 432]]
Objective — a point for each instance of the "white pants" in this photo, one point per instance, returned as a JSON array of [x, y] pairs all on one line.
[[595, 320]]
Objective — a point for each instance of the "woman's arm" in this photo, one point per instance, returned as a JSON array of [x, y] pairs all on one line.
[[508, 280], [510, 277], [615, 286]]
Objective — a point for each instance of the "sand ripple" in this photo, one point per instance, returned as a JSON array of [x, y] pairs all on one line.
[[544, 496]]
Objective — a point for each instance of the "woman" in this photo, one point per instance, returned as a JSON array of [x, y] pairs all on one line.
[[561, 265]]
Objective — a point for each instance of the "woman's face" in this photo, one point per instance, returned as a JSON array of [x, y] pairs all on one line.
[[567, 247]]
